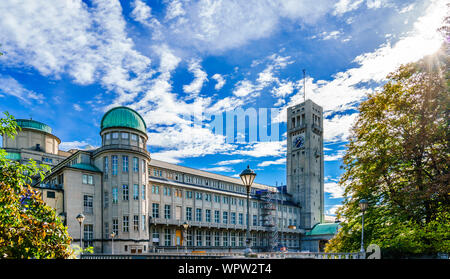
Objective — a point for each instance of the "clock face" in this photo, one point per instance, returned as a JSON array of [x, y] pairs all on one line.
[[299, 141]]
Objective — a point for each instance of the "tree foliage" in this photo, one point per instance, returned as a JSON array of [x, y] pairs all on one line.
[[28, 227], [398, 160]]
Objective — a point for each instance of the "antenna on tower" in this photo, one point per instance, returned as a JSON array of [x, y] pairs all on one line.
[[304, 85]]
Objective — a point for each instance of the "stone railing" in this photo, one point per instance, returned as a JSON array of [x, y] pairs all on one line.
[[218, 255]]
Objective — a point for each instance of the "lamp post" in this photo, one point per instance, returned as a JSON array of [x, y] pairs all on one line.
[[363, 204], [113, 234], [185, 227], [80, 219], [247, 177]]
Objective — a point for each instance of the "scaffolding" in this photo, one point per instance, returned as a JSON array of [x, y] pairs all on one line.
[[269, 216]]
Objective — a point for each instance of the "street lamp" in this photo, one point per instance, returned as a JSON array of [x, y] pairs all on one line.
[[363, 204], [185, 227], [247, 177], [80, 219], [113, 234]]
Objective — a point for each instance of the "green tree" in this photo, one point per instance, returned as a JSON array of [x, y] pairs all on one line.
[[398, 160], [28, 227]]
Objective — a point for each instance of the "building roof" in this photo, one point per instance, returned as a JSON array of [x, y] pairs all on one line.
[[324, 228], [123, 117], [87, 167], [211, 175], [33, 124], [13, 156]]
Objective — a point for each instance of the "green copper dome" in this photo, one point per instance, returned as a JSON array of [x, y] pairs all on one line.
[[32, 124], [123, 117]]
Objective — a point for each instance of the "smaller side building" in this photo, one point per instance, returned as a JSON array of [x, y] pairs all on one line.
[[316, 239]]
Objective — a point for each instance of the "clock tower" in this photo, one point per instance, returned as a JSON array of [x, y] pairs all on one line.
[[304, 161]]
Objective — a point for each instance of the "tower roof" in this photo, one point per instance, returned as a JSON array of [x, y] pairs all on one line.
[[33, 124], [123, 117]]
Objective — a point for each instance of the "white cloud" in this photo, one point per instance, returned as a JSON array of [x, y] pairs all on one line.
[[89, 44], [77, 107], [10, 86], [210, 25], [230, 162], [263, 149], [83, 145], [220, 81], [200, 77], [344, 6], [337, 156], [218, 169], [280, 161], [333, 210], [334, 189]]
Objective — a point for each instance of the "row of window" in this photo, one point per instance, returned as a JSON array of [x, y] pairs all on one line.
[[216, 238], [190, 179], [226, 217], [138, 224], [124, 136], [167, 191], [126, 193], [124, 165]]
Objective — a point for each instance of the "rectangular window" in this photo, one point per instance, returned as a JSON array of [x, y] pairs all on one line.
[[217, 239], [155, 210], [255, 220], [167, 191], [115, 135], [87, 203], [125, 224], [188, 213], [51, 194], [125, 192], [208, 238], [198, 196], [233, 239], [124, 135], [155, 189], [233, 218], [188, 194], [167, 237], [199, 237], [241, 218], [136, 222], [125, 163], [143, 222], [114, 195], [135, 192], [106, 199], [217, 216], [105, 167], [88, 235], [225, 217], [114, 164], [134, 137], [143, 192], [198, 214], [208, 215], [167, 211], [225, 239], [115, 227], [217, 199], [135, 164], [189, 238], [106, 230]]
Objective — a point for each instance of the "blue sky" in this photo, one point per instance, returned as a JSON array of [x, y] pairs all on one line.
[[66, 62]]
